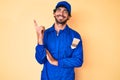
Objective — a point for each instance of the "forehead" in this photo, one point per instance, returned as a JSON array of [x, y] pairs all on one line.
[[62, 7]]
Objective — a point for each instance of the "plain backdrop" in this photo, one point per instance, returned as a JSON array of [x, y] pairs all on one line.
[[98, 22]]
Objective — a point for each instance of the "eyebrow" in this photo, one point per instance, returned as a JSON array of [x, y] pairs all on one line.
[[62, 7]]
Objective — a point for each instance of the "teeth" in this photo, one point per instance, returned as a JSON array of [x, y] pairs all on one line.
[[61, 17]]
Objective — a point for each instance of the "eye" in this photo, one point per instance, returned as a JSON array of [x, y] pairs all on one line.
[[65, 11], [58, 10]]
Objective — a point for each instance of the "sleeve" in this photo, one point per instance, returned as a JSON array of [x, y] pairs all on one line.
[[40, 54], [76, 60]]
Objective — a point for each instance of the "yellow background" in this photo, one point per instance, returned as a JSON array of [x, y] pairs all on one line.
[[98, 22]]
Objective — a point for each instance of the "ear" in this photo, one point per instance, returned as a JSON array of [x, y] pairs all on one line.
[[53, 13], [69, 17]]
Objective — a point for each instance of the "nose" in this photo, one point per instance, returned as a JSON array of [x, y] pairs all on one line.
[[61, 12]]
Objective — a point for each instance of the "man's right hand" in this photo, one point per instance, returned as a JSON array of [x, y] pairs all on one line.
[[40, 32]]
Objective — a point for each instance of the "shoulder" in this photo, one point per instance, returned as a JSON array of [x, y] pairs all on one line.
[[74, 33], [48, 30]]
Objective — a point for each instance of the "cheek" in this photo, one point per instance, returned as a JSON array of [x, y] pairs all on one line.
[[55, 14]]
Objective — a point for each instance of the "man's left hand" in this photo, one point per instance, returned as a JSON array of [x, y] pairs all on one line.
[[51, 59]]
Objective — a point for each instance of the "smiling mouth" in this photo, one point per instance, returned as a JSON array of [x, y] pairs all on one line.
[[61, 16]]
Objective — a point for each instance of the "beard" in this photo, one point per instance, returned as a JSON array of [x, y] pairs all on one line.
[[61, 21]]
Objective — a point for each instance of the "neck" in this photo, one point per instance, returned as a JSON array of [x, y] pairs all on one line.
[[59, 27]]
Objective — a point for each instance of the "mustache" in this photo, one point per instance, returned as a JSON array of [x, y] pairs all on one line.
[[61, 16]]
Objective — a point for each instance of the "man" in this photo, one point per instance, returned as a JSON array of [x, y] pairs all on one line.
[[59, 48]]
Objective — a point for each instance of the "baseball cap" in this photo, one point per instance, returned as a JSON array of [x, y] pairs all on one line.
[[64, 4]]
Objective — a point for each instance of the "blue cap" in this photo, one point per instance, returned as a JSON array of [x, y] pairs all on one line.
[[64, 4]]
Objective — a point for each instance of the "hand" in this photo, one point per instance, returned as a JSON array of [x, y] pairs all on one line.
[[40, 32], [51, 59]]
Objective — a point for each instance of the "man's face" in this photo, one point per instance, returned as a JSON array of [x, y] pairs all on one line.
[[61, 15]]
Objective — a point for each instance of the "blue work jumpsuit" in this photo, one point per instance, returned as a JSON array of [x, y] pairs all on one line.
[[60, 48]]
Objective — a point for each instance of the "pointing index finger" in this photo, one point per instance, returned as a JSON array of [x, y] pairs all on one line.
[[35, 23]]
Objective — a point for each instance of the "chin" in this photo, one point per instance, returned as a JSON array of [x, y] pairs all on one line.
[[61, 21]]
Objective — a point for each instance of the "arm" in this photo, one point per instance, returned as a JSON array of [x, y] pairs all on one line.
[[75, 61], [51, 59], [40, 54]]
